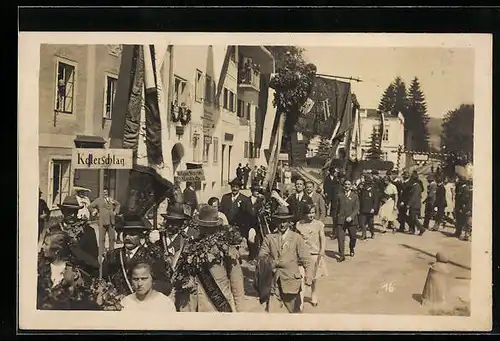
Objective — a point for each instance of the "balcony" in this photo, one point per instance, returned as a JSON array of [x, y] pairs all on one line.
[[249, 76]]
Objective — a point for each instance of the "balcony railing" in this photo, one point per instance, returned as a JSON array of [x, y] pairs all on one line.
[[249, 75]]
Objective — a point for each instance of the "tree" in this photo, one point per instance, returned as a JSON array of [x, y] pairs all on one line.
[[292, 83], [457, 137], [374, 152], [394, 99], [416, 118]]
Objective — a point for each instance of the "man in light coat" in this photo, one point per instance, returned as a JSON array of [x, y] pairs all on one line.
[[287, 251], [107, 208]]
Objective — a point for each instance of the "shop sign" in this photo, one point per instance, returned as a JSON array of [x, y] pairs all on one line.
[[191, 175], [85, 158]]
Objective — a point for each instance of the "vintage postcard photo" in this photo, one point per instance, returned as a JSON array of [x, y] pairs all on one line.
[[328, 182]]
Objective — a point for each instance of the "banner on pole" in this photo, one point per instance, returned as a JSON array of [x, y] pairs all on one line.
[[85, 158]]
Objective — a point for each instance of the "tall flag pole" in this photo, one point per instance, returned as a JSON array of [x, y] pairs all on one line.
[[275, 150], [143, 132]]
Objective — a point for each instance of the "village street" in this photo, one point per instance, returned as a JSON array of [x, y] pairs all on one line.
[[386, 276]]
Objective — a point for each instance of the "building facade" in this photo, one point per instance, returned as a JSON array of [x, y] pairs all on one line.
[[76, 92], [225, 89]]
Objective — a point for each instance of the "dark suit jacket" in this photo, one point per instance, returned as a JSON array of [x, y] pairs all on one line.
[[414, 195], [347, 206], [190, 199], [237, 212], [113, 272], [440, 196], [298, 208], [368, 199], [107, 210], [331, 188], [254, 211]]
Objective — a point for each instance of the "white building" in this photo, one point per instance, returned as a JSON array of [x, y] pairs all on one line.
[[392, 138]]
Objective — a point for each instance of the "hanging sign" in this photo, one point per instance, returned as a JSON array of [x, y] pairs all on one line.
[[86, 158], [191, 175]]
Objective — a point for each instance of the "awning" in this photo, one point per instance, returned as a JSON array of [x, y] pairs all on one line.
[[89, 141]]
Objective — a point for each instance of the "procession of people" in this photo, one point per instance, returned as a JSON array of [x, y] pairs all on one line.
[[192, 261]]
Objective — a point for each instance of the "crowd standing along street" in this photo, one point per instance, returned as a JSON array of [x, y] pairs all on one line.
[[164, 201]]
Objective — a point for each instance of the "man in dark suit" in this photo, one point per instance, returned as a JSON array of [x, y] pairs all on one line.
[[440, 202], [190, 198], [236, 207], [403, 195], [331, 188], [246, 175], [86, 248], [43, 213], [107, 208], [346, 219], [414, 204], [299, 201], [118, 263], [368, 200], [254, 234]]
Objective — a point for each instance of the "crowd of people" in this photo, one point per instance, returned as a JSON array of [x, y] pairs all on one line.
[[192, 262]]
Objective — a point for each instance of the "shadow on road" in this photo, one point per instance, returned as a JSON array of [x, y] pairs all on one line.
[[433, 255], [417, 297], [447, 234], [332, 254]]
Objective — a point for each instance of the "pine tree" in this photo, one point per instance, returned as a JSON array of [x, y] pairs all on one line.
[[374, 152], [416, 119], [388, 100], [394, 100]]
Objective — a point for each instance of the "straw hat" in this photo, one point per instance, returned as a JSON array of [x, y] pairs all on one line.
[[282, 213]]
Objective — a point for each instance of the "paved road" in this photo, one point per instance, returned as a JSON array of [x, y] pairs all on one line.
[[386, 276]]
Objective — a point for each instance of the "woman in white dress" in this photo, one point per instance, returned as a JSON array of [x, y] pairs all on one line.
[[144, 296], [313, 232], [388, 211]]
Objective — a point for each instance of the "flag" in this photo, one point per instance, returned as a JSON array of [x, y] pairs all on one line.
[[144, 130]]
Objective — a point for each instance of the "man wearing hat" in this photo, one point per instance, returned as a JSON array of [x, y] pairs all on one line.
[[414, 204], [84, 235], [332, 188], [368, 199], [118, 263], [403, 187], [463, 203], [287, 251], [176, 234], [255, 236], [236, 207], [430, 200], [216, 282]]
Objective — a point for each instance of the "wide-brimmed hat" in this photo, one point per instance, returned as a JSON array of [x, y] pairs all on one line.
[[175, 212], [236, 182], [208, 216], [130, 222], [282, 213], [81, 189], [70, 202]]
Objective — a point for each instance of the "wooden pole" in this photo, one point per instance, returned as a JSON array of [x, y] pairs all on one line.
[[339, 77], [273, 156], [101, 229]]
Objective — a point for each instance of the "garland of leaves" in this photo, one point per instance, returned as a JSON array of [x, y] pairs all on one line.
[[204, 252]]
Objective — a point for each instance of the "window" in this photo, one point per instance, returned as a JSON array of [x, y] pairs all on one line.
[[245, 151], [248, 111], [232, 54], [198, 91], [209, 94], [59, 181], [385, 137], [215, 148], [65, 87], [110, 96], [231, 102], [206, 148], [251, 150], [180, 91], [226, 98], [257, 152], [110, 182], [241, 107]]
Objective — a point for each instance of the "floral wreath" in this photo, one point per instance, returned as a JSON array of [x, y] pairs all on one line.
[[202, 253], [183, 114], [76, 286]]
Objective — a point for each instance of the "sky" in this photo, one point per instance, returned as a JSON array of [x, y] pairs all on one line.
[[446, 75]]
